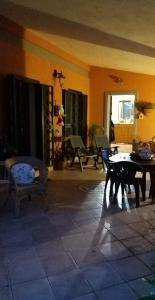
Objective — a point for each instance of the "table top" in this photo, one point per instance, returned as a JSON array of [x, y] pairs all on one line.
[[146, 164]]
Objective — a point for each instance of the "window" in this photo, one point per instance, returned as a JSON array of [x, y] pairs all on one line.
[[123, 109]]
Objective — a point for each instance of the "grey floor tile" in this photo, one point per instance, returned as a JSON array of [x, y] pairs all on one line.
[[123, 232], [17, 251], [130, 268], [100, 236], [76, 241], [151, 236], [21, 238], [89, 226], [43, 235], [148, 259], [90, 296], [114, 250], [5, 293], [66, 230], [55, 264], [50, 248], [138, 245], [33, 290], [113, 220], [87, 256], [75, 233], [4, 280], [69, 285], [2, 256], [101, 276], [130, 217], [152, 222], [25, 267], [121, 292], [141, 227]]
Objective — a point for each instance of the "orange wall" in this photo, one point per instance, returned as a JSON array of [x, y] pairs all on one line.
[[17, 59], [18, 56], [144, 85]]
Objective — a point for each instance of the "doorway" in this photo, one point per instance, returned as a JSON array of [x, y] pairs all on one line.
[[29, 117], [75, 107], [119, 107]]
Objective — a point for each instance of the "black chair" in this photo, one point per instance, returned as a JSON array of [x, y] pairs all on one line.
[[125, 173], [102, 142], [82, 153], [108, 167]]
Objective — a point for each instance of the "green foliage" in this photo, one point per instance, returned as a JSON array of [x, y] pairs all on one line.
[[150, 296], [147, 297]]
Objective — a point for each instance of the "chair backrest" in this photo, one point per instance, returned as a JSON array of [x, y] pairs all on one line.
[[30, 168], [76, 142], [125, 171], [101, 141], [105, 153]]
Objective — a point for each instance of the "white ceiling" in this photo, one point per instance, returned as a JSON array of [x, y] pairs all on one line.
[[116, 34]]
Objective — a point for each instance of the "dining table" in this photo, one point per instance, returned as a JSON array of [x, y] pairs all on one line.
[[148, 165]]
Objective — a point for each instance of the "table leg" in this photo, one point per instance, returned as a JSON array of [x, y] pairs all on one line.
[[152, 188], [143, 186]]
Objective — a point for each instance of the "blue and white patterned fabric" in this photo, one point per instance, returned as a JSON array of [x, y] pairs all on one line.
[[23, 173]]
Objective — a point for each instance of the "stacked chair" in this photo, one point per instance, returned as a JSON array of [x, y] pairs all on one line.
[[124, 174]]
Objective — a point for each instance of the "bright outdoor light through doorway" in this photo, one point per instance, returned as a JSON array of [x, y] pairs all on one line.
[[123, 109]]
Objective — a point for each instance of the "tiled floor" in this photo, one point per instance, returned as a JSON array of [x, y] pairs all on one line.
[[83, 248]]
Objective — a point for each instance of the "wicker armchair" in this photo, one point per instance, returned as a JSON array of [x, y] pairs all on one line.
[[28, 176]]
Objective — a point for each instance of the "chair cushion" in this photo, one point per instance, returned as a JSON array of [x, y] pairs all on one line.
[[23, 173]]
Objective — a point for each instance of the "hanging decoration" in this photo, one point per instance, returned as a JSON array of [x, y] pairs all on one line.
[[116, 78], [59, 112], [58, 75]]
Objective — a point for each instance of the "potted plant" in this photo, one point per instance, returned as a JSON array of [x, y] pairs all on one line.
[[93, 130], [61, 153], [59, 159], [143, 106]]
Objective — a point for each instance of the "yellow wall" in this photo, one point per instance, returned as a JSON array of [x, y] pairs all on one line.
[[25, 54], [144, 85]]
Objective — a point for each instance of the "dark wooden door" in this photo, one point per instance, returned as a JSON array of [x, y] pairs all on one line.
[[30, 117], [75, 107]]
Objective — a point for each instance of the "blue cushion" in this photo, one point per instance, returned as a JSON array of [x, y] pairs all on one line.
[[23, 173]]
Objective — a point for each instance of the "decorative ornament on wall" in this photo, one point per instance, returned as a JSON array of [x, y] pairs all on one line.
[[116, 78], [140, 116], [58, 75]]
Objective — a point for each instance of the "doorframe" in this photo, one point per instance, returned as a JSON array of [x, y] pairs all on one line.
[[107, 109]]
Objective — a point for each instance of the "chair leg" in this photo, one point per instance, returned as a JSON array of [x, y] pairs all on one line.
[[107, 179], [80, 161], [95, 163], [111, 188], [137, 194], [72, 162], [143, 186], [116, 192]]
